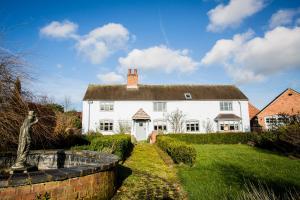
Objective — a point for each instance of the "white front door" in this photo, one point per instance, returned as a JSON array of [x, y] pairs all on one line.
[[141, 133]]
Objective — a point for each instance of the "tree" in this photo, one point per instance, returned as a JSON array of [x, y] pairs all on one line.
[[67, 103], [208, 126], [176, 120]]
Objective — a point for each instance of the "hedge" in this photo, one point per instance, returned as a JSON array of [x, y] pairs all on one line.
[[215, 138], [179, 151], [119, 144]]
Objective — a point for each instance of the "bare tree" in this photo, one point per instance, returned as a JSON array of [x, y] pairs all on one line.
[[67, 103], [176, 120], [124, 127], [15, 102], [208, 126]]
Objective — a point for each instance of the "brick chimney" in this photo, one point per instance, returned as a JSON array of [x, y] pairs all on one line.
[[132, 79]]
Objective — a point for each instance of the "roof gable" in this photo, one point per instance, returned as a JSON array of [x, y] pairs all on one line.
[[288, 90], [164, 92]]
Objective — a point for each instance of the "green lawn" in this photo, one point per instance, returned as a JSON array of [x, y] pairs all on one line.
[[222, 171]]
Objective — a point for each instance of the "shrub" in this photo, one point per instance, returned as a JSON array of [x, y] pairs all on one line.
[[119, 145], [179, 151], [215, 138]]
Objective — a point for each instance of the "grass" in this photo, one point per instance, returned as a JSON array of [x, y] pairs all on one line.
[[148, 174], [224, 171]]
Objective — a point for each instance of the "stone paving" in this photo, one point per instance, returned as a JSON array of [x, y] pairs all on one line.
[[143, 183]]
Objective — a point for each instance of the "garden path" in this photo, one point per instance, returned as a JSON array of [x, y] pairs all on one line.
[[148, 174]]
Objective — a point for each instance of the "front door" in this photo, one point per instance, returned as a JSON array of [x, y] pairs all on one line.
[[141, 133]]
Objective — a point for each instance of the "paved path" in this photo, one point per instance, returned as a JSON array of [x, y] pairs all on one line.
[[148, 174]]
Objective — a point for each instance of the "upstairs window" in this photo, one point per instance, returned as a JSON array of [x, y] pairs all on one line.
[[106, 125], [226, 105], [160, 106], [192, 126], [106, 106]]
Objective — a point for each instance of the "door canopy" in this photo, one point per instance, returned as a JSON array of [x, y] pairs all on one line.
[[141, 115]]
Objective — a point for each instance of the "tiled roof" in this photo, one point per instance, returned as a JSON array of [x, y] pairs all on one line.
[[227, 117], [141, 114]]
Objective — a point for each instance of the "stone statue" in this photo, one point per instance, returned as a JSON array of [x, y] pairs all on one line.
[[24, 142]]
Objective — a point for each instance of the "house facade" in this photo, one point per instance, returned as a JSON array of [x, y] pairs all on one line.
[[288, 102], [141, 109]]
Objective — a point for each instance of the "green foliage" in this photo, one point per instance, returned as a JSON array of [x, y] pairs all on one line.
[[56, 107], [119, 145], [285, 139], [179, 151], [215, 138]]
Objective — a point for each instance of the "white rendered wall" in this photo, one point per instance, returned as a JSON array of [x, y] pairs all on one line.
[[193, 110]]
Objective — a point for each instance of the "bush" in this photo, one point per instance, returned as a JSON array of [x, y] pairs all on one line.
[[215, 138], [285, 139], [119, 145], [179, 151]]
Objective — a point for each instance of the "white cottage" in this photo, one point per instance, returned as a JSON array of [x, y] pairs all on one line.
[[140, 109]]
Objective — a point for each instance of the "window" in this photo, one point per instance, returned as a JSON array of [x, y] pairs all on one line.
[[160, 106], [106, 106], [106, 125], [226, 106], [275, 121], [192, 126], [188, 96], [160, 125], [229, 126]]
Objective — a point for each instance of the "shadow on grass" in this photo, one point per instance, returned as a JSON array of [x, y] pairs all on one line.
[[122, 173], [235, 174]]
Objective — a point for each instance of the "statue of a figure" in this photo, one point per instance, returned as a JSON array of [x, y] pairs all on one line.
[[24, 141]]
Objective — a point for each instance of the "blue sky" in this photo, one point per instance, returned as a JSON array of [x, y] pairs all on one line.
[[253, 44]]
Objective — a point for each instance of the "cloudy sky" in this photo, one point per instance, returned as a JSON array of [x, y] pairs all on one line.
[[254, 44]]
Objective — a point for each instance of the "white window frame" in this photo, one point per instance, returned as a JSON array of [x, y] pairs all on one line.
[[160, 125], [106, 122], [226, 106], [192, 124], [106, 106], [228, 124], [160, 106], [273, 120]]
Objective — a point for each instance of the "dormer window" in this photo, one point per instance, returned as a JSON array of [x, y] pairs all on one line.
[[188, 96]]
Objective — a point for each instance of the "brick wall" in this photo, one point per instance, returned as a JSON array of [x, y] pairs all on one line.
[[288, 102], [100, 185]]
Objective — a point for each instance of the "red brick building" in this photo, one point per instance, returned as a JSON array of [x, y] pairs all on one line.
[[288, 102]]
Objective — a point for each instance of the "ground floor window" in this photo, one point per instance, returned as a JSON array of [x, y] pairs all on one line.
[[192, 126], [229, 125], [160, 125], [275, 121], [106, 125]]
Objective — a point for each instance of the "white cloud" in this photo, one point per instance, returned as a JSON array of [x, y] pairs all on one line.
[[102, 42], [110, 78], [65, 29], [159, 58], [283, 17], [232, 14], [247, 58], [95, 46]]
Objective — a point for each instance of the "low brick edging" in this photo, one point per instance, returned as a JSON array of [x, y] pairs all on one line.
[[99, 185]]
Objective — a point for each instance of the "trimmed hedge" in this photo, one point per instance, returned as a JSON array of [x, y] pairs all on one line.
[[179, 151], [119, 145], [215, 138]]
